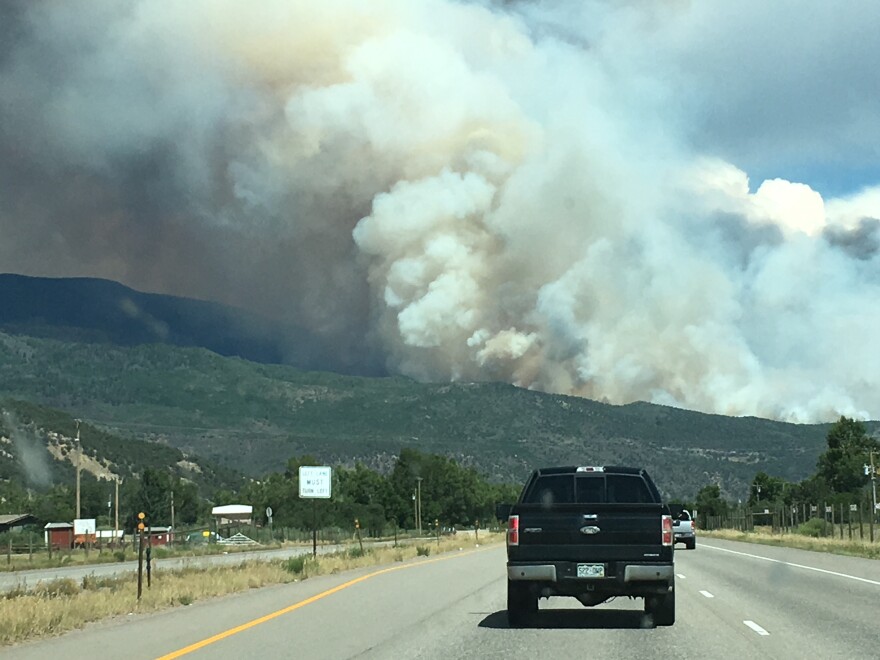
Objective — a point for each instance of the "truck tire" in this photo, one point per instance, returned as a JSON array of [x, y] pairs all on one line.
[[663, 609], [522, 604], [690, 545]]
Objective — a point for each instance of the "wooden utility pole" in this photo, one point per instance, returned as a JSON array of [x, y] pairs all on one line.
[[78, 469], [140, 532], [873, 487], [419, 504], [116, 519]]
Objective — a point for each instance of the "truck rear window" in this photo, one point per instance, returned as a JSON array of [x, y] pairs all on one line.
[[589, 489]]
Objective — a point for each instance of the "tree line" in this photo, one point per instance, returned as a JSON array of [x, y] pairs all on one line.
[[840, 477], [451, 494]]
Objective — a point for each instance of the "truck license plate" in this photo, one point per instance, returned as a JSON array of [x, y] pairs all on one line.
[[591, 570]]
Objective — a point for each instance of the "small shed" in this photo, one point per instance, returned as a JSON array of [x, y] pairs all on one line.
[[231, 514], [15, 522], [159, 535], [58, 535]]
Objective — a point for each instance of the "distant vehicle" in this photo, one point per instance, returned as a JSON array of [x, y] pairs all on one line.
[[684, 528], [592, 533], [201, 537]]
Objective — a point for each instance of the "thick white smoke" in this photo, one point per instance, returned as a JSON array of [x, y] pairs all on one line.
[[542, 193]]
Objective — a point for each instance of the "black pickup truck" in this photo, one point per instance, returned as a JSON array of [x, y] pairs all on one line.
[[592, 533]]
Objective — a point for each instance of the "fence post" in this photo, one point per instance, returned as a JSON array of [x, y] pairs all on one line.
[[861, 524]]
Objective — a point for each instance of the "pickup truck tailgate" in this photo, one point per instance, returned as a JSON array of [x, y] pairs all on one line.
[[580, 532]]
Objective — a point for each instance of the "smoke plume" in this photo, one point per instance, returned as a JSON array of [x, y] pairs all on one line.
[[550, 194], [30, 450]]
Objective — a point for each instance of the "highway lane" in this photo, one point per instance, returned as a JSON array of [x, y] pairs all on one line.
[[811, 604], [732, 603]]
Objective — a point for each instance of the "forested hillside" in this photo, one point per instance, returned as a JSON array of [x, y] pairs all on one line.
[[256, 416]]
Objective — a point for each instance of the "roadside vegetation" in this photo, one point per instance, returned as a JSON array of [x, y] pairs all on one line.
[[56, 607], [853, 548], [830, 511], [40, 559]]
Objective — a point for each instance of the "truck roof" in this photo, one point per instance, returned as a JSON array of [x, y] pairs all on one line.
[[569, 469]]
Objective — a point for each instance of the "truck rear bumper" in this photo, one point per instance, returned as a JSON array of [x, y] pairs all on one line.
[[540, 572], [549, 572], [560, 579], [647, 572]]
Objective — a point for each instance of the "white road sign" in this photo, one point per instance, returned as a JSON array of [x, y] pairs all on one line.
[[314, 481]]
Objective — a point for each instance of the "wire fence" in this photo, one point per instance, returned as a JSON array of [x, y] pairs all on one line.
[[852, 521], [36, 547]]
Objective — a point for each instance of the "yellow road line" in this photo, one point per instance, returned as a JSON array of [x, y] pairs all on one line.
[[290, 608]]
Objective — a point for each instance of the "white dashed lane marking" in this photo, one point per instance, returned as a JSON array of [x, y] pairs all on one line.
[[788, 563], [679, 575], [707, 594], [754, 626]]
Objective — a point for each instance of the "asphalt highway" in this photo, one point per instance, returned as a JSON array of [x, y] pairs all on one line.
[[734, 600]]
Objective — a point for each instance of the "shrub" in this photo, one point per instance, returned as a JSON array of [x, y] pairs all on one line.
[[300, 564], [58, 588], [119, 555], [814, 527], [93, 582], [355, 553], [295, 565], [423, 551], [15, 592]]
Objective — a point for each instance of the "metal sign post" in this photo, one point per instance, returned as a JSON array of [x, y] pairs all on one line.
[[315, 482]]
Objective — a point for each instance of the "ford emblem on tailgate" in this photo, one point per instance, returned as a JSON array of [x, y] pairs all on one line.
[[589, 529]]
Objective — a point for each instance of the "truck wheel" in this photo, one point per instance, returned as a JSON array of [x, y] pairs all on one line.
[[690, 545], [522, 604], [663, 609]]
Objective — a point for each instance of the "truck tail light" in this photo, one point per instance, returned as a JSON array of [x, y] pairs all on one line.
[[667, 530], [513, 530]]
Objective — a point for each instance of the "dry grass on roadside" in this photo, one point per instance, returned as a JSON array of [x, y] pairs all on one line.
[[62, 605], [854, 548]]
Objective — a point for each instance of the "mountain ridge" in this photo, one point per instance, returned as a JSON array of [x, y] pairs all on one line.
[[253, 415]]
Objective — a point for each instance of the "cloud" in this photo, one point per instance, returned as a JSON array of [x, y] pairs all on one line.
[[552, 194]]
